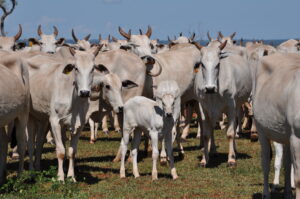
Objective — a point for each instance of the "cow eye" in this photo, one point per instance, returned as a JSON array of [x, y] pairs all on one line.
[[152, 47], [201, 64], [107, 86]]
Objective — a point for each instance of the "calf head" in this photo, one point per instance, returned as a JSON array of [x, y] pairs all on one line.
[[82, 44], [47, 43], [167, 96], [9, 43], [210, 66], [138, 44], [83, 70], [111, 88]]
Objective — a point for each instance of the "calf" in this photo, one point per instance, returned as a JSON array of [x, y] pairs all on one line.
[[153, 117]]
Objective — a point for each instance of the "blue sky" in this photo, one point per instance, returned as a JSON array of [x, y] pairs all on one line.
[[259, 19]]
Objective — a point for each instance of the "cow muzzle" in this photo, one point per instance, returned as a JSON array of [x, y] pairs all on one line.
[[169, 115], [210, 89], [84, 93]]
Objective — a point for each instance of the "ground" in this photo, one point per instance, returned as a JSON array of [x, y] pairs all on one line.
[[98, 176]]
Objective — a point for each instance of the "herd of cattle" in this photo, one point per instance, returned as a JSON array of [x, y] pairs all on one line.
[[49, 87]]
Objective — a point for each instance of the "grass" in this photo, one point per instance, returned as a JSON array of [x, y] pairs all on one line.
[[98, 176]]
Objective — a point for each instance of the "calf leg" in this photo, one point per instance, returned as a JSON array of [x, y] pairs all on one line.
[[134, 152], [123, 148], [3, 154], [163, 154], [277, 164], [168, 142], [72, 153], [155, 153]]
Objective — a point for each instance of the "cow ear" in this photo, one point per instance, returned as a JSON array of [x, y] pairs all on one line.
[[223, 55], [148, 60], [33, 41], [101, 68], [129, 84], [68, 68], [61, 41]]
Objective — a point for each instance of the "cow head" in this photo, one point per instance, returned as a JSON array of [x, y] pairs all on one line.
[[47, 43], [111, 88], [82, 44], [210, 65], [167, 97], [9, 43], [228, 39], [181, 40], [83, 70], [138, 44]]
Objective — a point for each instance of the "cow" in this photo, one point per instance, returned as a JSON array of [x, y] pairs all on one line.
[[153, 117], [82, 44], [15, 103], [289, 46], [275, 107], [181, 40], [223, 85], [47, 43], [9, 43]]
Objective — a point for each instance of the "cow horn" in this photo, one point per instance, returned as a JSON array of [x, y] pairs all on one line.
[[180, 34], [169, 39], [100, 37], [156, 74], [39, 30], [97, 50], [149, 32], [221, 35], [108, 38], [55, 31], [199, 46], [241, 42], [114, 39], [124, 34], [74, 36], [233, 34], [222, 46], [141, 32], [87, 37], [208, 36], [192, 37], [18, 35]]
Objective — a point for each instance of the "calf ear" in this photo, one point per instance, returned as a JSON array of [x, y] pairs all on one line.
[[61, 41], [68, 68], [101, 68], [129, 84], [33, 41]]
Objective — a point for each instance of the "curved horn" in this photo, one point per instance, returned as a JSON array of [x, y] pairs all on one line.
[[169, 39], [141, 32], [87, 37], [100, 37], [39, 30], [208, 36], [233, 34], [192, 37], [55, 31], [155, 74], [74, 36], [18, 35], [221, 35], [222, 46], [124, 34], [197, 45], [149, 32]]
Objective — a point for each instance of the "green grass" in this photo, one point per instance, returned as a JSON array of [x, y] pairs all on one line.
[[98, 176]]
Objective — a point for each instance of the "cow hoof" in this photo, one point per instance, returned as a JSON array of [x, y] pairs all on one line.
[[154, 176], [136, 175], [106, 132], [163, 161], [116, 159], [202, 164], [15, 156], [231, 164], [254, 137], [275, 188], [183, 139], [92, 141]]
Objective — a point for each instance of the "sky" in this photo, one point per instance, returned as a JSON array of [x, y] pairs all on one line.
[[251, 19]]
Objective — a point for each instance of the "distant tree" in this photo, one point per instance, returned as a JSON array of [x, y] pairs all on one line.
[[6, 12]]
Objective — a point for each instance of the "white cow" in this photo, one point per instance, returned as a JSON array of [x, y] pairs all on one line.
[[275, 107], [14, 106], [153, 117]]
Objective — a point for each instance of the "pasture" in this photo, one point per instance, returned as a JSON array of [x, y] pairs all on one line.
[[98, 177]]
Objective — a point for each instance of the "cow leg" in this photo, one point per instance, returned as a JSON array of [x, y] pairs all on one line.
[[72, 153], [254, 135], [116, 122], [43, 129], [3, 154], [31, 127], [104, 124], [176, 135], [295, 148], [169, 146], [231, 132], [92, 128], [239, 122], [60, 149], [163, 154], [222, 122], [277, 164], [265, 161], [207, 133], [287, 174], [21, 123], [123, 147], [49, 138], [187, 110], [155, 153], [134, 152]]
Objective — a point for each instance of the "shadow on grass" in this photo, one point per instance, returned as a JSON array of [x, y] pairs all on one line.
[[107, 138], [107, 158], [274, 195]]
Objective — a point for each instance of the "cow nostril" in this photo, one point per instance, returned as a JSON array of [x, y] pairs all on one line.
[[210, 89], [169, 114], [51, 52], [84, 93], [121, 108]]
